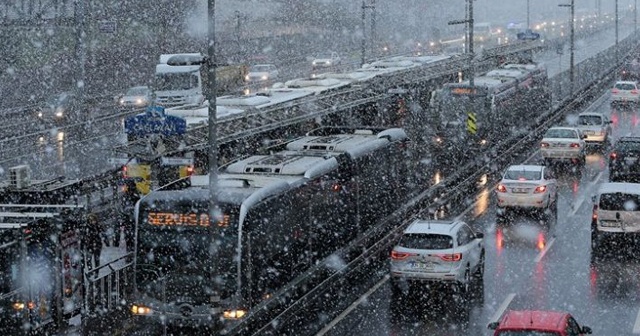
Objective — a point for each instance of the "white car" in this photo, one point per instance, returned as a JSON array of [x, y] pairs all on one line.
[[595, 126], [447, 253], [563, 144], [137, 96], [616, 214], [326, 61], [625, 92], [527, 187], [262, 73]]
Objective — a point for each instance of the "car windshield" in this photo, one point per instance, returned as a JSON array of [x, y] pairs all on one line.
[[137, 91], [324, 56], [58, 99], [589, 120], [527, 175], [619, 202], [426, 241], [260, 68], [528, 333], [561, 133], [625, 86], [628, 146]]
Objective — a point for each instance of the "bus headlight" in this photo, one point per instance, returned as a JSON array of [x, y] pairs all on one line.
[[141, 310], [234, 314]]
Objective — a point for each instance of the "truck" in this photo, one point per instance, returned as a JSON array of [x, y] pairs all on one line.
[[181, 85]]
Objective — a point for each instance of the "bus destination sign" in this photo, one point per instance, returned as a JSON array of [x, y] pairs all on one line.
[[183, 219]]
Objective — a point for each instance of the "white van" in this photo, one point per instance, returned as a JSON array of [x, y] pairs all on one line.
[[616, 213]]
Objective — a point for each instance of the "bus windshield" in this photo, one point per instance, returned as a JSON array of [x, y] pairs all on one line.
[[457, 101], [173, 251], [173, 81]]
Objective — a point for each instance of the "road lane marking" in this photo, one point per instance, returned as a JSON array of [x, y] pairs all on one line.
[[581, 200], [507, 301], [636, 326], [544, 251], [353, 306]]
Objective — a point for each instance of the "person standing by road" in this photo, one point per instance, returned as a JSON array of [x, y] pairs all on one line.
[[93, 236], [128, 199]]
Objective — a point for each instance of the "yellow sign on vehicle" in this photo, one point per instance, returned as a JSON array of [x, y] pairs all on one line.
[[471, 123], [143, 172]]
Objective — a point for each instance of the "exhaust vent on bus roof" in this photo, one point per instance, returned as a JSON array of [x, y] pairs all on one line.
[[363, 132], [233, 183], [317, 147]]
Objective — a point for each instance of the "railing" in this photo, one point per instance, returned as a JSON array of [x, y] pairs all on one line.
[[106, 288]]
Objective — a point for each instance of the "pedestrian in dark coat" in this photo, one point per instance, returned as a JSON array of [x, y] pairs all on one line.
[[128, 200], [94, 235]]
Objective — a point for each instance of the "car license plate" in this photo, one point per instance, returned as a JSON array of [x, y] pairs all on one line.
[[520, 190], [422, 265]]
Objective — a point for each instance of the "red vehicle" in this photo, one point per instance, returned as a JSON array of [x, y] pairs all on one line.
[[538, 323]]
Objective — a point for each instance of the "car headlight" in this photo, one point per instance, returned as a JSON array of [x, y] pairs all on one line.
[[139, 101], [59, 112], [314, 63], [141, 310], [234, 314], [121, 101], [40, 114], [247, 77], [265, 77]]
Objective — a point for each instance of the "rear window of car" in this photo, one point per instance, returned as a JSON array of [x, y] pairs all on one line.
[[625, 86], [628, 145], [589, 120], [425, 241], [527, 333], [619, 202], [526, 175], [560, 133]]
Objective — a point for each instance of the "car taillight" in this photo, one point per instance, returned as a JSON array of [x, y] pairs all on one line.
[[501, 188], [615, 91], [395, 255], [540, 189], [613, 155], [634, 92], [574, 145], [544, 145], [595, 212], [451, 256]]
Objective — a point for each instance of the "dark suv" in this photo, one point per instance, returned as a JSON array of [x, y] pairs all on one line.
[[624, 160]]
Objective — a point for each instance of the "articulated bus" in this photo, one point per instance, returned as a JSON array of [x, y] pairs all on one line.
[[501, 102], [278, 215]]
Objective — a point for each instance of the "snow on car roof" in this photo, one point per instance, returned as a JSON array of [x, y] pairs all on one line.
[[430, 226], [619, 187], [526, 168]]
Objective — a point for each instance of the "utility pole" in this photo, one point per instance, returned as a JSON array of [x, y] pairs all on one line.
[[468, 22], [374, 37], [617, 19], [364, 35], [571, 43], [635, 16], [528, 16], [81, 49], [471, 52]]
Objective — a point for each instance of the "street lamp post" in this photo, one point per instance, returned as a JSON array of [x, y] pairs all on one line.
[[208, 71], [571, 44]]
